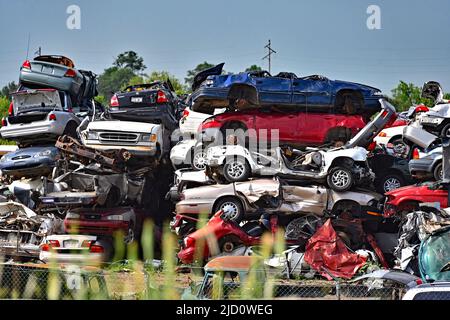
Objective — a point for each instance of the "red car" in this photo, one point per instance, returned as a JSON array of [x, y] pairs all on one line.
[[295, 128], [407, 199], [105, 222]]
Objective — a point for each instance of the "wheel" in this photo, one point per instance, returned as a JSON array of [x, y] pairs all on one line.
[[390, 182], [198, 160], [233, 205], [229, 243], [438, 173], [340, 179], [71, 130], [130, 236], [446, 131], [400, 147], [236, 170]]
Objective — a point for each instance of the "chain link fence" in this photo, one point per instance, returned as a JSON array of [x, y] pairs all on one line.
[[38, 281]]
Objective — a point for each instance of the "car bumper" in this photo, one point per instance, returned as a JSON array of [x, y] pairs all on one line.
[[139, 150], [61, 83], [84, 258], [37, 128], [421, 167], [95, 227]]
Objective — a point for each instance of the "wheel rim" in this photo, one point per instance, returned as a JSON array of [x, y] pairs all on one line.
[[447, 133], [236, 169], [232, 208], [130, 236], [391, 184], [440, 173], [228, 247], [199, 161], [340, 178], [401, 148]]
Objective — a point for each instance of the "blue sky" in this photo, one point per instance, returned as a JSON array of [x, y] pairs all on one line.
[[326, 37]]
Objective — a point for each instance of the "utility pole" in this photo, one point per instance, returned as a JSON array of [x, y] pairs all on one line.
[[39, 51], [268, 56]]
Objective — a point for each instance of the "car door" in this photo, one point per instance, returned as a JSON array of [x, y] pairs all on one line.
[[312, 92], [313, 127], [281, 122], [274, 90]]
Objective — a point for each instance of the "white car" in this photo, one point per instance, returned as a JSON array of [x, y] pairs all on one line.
[[429, 291], [191, 120], [392, 135], [139, 138], [341, 168], [184, 154], [76, 249]]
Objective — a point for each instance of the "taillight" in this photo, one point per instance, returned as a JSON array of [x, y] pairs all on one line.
[[372, 146], [26, 65], [11, 109], [52, 117], [86, 243], [95, 248], [114, 101], [49, 245], [185, 113], [210, 123], [4, 122], [189, 242], [70, 73], [415, 154], [161, 97]]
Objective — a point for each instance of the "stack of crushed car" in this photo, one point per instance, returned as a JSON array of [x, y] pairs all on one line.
[[254, 153]]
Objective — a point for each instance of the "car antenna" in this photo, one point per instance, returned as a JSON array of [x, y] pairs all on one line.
[[28, 45]]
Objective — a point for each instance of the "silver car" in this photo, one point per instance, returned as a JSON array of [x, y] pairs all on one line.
[[244, 199], [39, 115]]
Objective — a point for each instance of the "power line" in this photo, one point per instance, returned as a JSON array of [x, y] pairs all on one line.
[[268, 56]]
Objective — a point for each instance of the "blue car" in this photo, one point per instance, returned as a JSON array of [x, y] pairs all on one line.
[[29, 162], [213, 90]]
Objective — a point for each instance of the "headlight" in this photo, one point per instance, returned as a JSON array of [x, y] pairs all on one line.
[[44, 153], [149, 137], [92, 135], [3, 159], [115, 217], [72, 215]]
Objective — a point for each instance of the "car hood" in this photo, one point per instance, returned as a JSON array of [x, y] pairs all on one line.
[[30, 152], [123, 126], [411, 190]]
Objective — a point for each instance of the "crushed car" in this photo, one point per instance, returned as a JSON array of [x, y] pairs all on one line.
[[22, 231], [427, 165], [341, 167], [212, 90]]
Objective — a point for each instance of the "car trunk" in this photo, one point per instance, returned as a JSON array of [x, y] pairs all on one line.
[[137, 99], [34, 105]]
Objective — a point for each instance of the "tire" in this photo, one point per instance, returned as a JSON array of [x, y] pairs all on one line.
[[236, 170], [229, 243], [340, 179], [390, 182], [437, 172], [233, 204], [71, 130], [131, 236], [446, 131], [198, 160]]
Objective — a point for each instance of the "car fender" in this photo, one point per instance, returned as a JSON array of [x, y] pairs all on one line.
[[356, 154]]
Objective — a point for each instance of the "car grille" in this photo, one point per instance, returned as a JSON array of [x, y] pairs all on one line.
[[118, 137]]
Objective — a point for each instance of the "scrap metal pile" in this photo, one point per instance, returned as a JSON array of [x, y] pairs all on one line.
[[341, 189]]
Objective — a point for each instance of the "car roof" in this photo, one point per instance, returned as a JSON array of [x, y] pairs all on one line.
[[232, 263]]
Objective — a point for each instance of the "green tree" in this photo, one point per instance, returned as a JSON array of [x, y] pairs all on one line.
[[4, 106], [112, 80], [130, 60], [407, 94], [253, 67], [8, 89], [191, 73], [164, 76]]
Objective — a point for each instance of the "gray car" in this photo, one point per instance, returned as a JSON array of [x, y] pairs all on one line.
[[52, 71], [429, 165]]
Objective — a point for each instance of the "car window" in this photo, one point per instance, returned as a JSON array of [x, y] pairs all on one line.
[[432, 295]]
